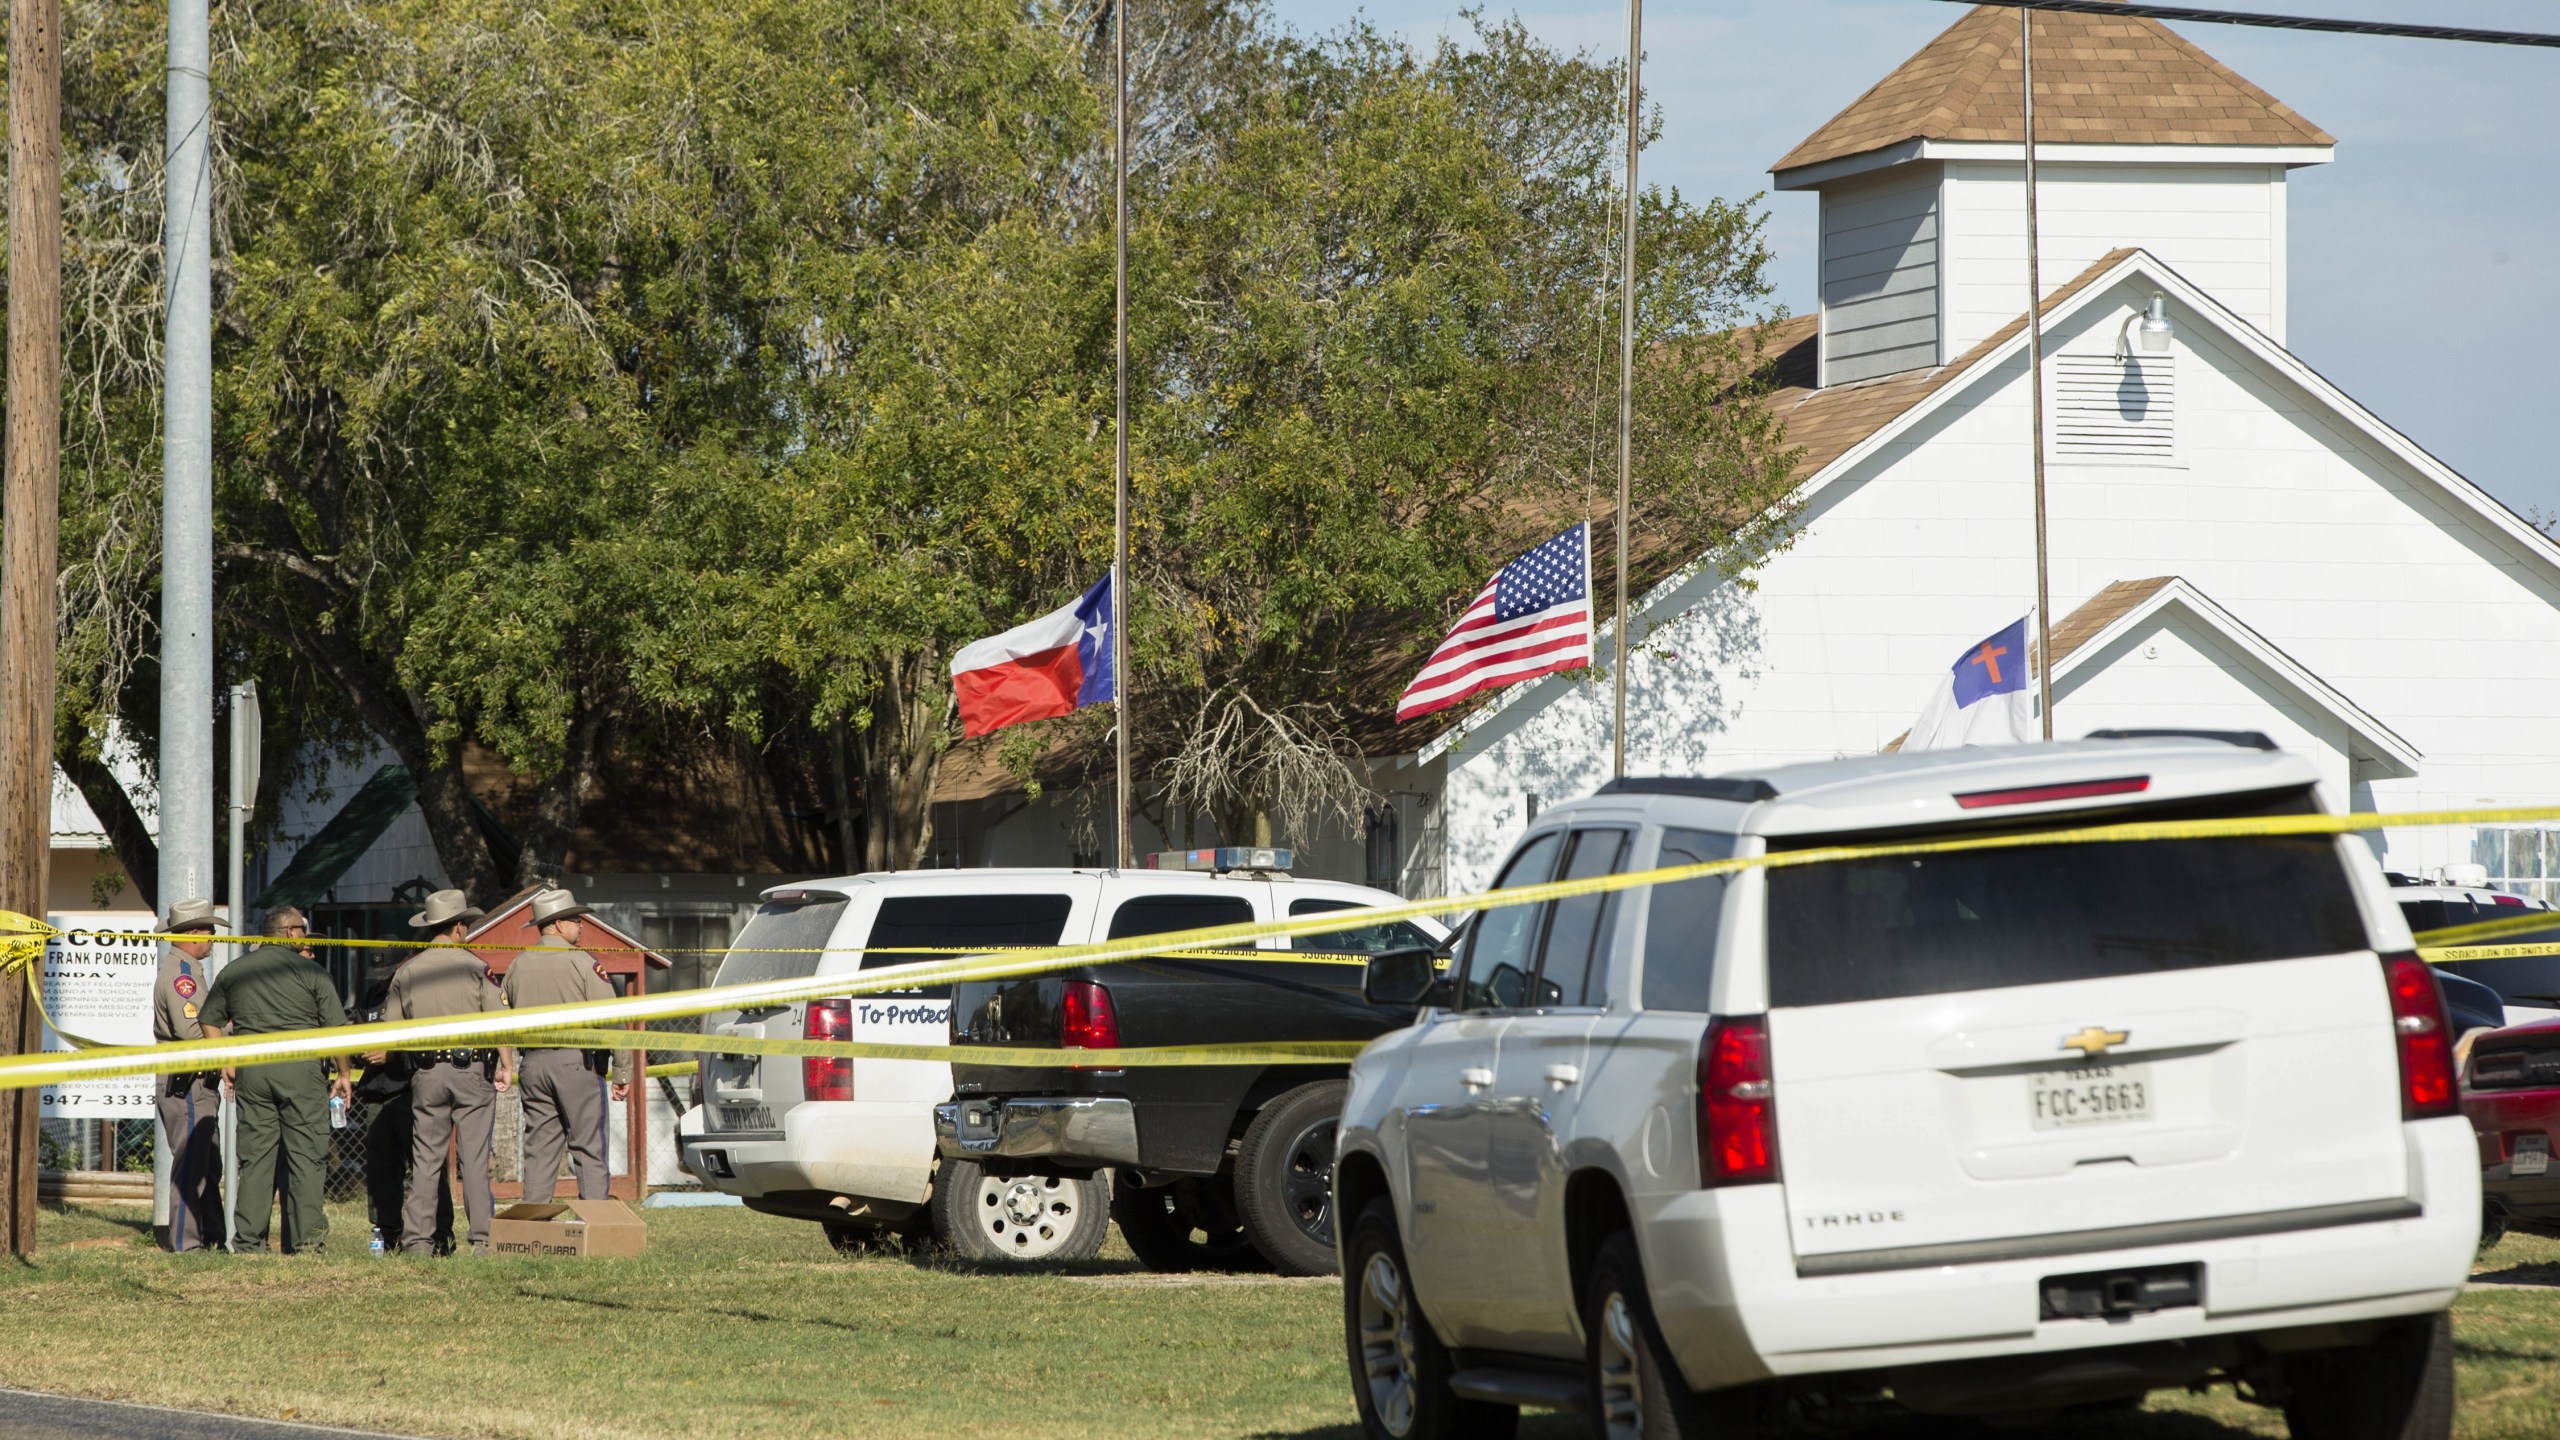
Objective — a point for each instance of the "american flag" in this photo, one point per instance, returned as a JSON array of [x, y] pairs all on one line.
[[1532, 618]]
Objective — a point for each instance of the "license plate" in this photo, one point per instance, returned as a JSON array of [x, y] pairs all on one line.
[[2088, 1095], [2533, 1155], [746, 1117]]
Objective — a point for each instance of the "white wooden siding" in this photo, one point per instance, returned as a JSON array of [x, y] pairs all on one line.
[[2360, 569], [1880, 276], [2220, 226]]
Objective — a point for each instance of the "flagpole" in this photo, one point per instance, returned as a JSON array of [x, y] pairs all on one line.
[[1120, 427], [1626, 384], [2035, 374]]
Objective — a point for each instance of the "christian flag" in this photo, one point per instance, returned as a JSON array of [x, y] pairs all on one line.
[[1050, 666], [1532, 618], [1983, 698]]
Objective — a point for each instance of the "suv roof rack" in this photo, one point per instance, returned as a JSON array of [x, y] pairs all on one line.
[[2245, 739], [1741, 789]]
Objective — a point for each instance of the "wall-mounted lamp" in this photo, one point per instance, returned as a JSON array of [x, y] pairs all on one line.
[[2155, 329]]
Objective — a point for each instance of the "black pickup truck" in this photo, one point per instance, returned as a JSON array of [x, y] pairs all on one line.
[[1213, 1165]]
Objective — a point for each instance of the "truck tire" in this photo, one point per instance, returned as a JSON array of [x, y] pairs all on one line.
[[1637, 1391], [2398, 1388], [1182, 1227], [1284, 1178], [1399, 1369], [1018, 1219]]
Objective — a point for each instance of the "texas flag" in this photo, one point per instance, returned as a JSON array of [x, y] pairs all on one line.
[[1050, 666], [1984, 698]]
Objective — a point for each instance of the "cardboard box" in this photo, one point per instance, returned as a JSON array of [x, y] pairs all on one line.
[[568, 1227]]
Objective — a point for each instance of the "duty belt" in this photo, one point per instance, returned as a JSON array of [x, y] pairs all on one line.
[[466, 1058]]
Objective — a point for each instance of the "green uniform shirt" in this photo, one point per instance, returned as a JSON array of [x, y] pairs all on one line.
[[270, 989]]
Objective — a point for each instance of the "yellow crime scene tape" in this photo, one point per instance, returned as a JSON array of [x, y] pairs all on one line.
[[22, 944], [1287, 1052]]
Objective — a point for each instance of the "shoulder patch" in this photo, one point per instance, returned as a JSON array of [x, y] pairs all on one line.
[[600, 970], [494, 978], [185, 985]]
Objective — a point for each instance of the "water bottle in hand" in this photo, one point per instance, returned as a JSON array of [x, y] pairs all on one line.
[[337, 1112]]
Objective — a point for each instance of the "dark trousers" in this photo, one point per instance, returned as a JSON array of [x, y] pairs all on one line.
[[284, 1147], [192, 1118], [386, 1173]]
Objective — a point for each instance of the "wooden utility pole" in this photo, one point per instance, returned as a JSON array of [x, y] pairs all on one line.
[[33, 524]]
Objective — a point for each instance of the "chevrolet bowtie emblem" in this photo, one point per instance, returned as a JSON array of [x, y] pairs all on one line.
[[2095, 1041]]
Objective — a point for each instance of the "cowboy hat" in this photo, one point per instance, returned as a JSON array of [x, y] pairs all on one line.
[[189, 915], [550, 905], [443, 908]]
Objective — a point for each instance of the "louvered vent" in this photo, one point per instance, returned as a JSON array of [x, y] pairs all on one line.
[[2110, 409]]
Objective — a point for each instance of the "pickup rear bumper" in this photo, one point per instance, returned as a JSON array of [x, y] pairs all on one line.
[[1076, 1132]]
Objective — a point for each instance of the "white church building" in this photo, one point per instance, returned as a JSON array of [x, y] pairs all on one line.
[[2236, 543]]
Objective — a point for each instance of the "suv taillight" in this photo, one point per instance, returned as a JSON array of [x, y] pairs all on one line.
[[2419, 1024], [827, 1077], [1091, 1024], [1737, 1112]]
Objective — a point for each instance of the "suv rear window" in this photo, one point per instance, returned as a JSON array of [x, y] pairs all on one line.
[[1362, 939], [1164, 914], [782, 941], [948, 925], [1903, 925]]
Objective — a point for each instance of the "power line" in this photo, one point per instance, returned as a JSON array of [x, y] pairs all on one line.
[[2392, 28]]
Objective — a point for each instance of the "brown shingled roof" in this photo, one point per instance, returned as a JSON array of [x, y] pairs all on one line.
[[2100, 80]]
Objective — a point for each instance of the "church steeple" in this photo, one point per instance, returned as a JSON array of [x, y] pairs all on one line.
[[2142, 139]]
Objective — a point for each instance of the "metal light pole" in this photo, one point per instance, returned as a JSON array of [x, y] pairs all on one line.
[[33, 524], [186, 472], [1120, 425], [1626, 383], [2035, 375]]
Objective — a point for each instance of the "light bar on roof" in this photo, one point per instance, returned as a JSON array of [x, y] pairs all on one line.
[[1225, 857], [2037, 794]]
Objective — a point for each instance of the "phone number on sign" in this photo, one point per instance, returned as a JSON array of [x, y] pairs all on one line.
[[127, 1100]]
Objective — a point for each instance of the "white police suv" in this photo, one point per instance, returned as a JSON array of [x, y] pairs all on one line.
[[1991, 1132], [850, 1143]]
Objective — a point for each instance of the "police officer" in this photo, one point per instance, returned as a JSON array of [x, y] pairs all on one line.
[[283, 1125], [385, 1091], [564, 1103], [452, 1096], [190, 1107]]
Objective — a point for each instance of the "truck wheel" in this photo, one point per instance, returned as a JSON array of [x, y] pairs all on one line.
[[1399, 1369], [996, 1219], [1284, 1178], [1637, 1391], [1182, 1226], [2398, 1388]]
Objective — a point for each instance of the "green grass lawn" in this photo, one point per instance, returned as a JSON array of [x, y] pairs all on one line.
[[737, 1324]]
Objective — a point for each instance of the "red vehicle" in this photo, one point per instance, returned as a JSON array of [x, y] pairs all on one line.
[[2511, 1092]]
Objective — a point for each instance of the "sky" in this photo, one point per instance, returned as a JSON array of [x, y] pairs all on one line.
[[2425, 259]]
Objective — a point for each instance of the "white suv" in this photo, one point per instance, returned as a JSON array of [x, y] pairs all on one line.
[[1995, 1133], [850, 1143]]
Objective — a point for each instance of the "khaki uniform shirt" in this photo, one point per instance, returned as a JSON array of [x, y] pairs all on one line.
[[557, 973], [176, 996], [443, 980], [270, 989]]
